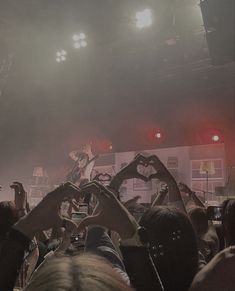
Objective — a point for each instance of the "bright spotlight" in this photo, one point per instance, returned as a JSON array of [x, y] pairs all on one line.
[[82, 36], [211, 135], [79, 40], [83, 43], [158, 135], [61, 56], [144, 18], [215, 138]]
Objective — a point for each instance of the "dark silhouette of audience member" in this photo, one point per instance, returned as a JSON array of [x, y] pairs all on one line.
[[228, 221], [208, 243], [173, 246], [8, 216]]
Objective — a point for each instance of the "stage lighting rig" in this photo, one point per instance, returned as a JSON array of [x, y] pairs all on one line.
[[61, 56], [79, 40]]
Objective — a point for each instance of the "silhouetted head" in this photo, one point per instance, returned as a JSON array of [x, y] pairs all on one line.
[[173, 244], [228, 221]]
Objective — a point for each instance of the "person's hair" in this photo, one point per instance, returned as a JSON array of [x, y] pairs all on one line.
[[8, 216], [228, 220], [81, 273], [174, 246], [199, 220]]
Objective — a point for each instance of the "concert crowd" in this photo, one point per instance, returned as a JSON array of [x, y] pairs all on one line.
[[102, 243]]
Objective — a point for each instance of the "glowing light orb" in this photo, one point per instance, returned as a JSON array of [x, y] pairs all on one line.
[[158, 135], [82, 36], [61, 56], [215, 138], [144, 18]]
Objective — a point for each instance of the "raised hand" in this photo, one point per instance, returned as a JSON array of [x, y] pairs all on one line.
[[103, 178], [184, 188], [218, 274], [110, 212], [20, 196], [47, 213], [161, 196], [161, 172], [164, 175], [131, 170]]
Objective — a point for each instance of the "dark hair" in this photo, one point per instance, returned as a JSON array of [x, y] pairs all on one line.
[[199, 220], [8, 216], [174, 246], [228, 220]]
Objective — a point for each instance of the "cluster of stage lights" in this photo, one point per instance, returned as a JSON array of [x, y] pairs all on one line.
[[79, 41], [155, 136], [207, 137], [215, 138], [143, 19], [61, 56]]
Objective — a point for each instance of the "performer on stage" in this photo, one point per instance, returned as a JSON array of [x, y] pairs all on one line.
[[84, 163]]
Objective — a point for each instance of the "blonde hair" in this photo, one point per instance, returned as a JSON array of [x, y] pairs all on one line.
[[81, 273]]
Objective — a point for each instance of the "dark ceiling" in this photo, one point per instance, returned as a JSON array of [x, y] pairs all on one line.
[[125, 82]]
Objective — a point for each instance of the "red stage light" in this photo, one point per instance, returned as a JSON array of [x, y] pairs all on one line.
[[158, 135], [155, 135], [211, 135], [215, 138], [102, 146]]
